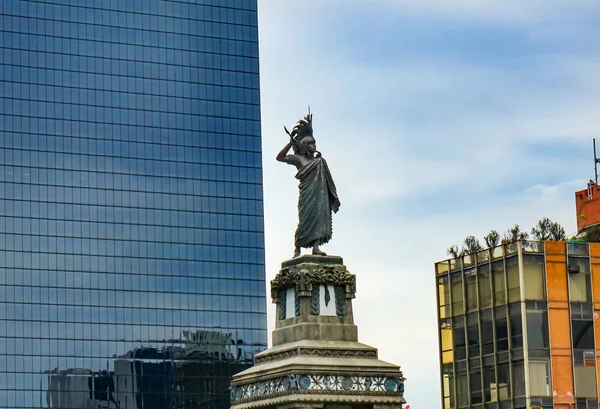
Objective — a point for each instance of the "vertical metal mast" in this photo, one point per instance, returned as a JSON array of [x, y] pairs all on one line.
[[595, 163]]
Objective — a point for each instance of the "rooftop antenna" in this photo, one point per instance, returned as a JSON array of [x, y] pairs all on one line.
[[596, 160]]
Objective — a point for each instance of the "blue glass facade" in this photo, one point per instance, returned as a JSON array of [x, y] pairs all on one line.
[[131, 225]]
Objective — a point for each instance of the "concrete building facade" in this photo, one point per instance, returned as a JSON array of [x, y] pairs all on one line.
[[518, 326]]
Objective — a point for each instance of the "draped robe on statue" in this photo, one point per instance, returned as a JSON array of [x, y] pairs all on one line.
[[317, 199]]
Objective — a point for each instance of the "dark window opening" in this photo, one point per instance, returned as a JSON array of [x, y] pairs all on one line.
[[583, 334], [519, 379], [537, 329], [501, 329], [476, 395], [503, 384], [460, 343], [487, 332], [473, 334], [516, 326]]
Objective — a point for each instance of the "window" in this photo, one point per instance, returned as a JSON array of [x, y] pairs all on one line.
[[476, 395], [501, 329], [580, 287], [444, 296], [582, 311], [519, 379], [533, 275], [502, 387], [458, 332], [446, 340], [485, 289], [441, 268], [462, 390], [583, 334], [487, 331], [448, 389], [585, 374], [512, 275], [539, 378], [582, 264], [473, 334], [578, 249], [537, 329], [499, 282], [516, 327], [471, 289], [457, 293], [489, 384]]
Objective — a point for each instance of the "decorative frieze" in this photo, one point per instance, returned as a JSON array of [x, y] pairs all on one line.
[[315, 384], [304, 276]]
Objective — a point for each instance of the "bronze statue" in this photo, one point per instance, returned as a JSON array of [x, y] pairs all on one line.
[[318, 196]]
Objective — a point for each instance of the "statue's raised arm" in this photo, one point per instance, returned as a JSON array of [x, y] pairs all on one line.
[[318, 196]]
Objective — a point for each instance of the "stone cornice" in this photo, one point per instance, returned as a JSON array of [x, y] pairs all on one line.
[[324, 352], [317, 398]]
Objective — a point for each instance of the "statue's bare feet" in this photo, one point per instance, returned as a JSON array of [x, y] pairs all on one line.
[[317, 252]]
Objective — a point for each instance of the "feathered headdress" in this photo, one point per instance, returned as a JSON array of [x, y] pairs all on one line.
[[302, 129]]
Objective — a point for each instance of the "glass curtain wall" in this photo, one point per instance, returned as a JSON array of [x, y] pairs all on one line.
[[131, 226]]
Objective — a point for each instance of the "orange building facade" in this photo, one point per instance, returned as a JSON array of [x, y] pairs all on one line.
[[518, 327], [587, 206]]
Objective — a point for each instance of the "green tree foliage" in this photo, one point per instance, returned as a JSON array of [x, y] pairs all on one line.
[[557, 232], [592, 234], [546, 229], [514, 234], [471, 245], [453, 251], [542, 230], [492, 239]]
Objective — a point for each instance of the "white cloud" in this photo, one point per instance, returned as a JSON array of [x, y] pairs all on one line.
[[513, 11]]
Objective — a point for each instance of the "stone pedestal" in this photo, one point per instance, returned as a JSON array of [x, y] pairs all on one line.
[[316, 361]]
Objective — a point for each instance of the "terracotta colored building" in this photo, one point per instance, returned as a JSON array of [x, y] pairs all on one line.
[[587, 206], [518, 327]]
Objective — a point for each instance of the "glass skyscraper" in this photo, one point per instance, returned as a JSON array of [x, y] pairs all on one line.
[[131, 225]]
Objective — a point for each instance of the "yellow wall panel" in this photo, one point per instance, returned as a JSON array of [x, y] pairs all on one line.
[[558, 304], [555, 247], [562, 379], [595, 249], [560, 331], [597, 333], [556, 280], [559, 325], [595, 278]]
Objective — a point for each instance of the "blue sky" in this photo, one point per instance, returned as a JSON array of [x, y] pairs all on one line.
[[438, 119]]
